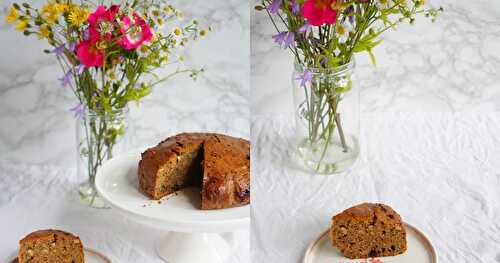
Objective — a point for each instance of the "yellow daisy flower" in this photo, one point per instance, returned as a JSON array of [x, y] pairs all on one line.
[[13, 15], [22, 25], [44, 32], [62, 8], [78, 16], [51, 12]]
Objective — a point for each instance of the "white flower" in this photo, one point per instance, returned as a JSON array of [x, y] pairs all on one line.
[[343, 30]]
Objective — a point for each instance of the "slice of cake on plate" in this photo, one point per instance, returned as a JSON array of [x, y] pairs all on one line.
[[368, 230], [52, 246]]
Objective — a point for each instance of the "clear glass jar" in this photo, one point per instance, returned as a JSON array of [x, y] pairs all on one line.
[[99, 137], [326, 104]]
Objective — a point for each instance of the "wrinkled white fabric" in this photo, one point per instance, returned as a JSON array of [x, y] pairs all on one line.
[[440, 171], [36, 197]]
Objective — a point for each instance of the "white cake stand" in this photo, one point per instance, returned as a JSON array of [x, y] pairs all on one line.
[[194, 235]]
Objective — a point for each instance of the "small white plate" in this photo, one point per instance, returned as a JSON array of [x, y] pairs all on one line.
[[91, 256], [117, 183], [419, 250]]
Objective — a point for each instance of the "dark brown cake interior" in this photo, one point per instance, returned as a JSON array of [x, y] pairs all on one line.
[[187, 171]]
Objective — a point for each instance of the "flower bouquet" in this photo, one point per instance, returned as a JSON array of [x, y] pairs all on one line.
[[323, 36], [108, 55]]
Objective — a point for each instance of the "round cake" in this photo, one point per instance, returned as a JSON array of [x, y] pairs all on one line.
[[217, 163], [368, 230], [51, 246]]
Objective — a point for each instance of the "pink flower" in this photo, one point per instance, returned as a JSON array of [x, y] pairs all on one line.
[[101, 22], [88, 53], [135, 32], [319, 12]]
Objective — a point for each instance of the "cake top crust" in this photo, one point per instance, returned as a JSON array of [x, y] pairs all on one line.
[[369, 212], [187, 142], [46, 233], [227, 155]]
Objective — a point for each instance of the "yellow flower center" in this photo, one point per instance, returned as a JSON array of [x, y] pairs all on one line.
[[177, 31], [340, 29]]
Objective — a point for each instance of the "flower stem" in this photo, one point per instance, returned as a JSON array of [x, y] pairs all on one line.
[[341, 132]]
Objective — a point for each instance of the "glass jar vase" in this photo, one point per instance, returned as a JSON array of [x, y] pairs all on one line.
[[99, 136], [326, 104]]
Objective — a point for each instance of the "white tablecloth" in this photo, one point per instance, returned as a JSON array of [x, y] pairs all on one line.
[[36, 197], [441, 172]]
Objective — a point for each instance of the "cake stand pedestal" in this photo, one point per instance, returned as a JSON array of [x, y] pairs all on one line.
[[193, 247], [191, 235]]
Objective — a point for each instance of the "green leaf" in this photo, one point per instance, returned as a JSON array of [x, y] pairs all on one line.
[[366, 43], [372, 57]]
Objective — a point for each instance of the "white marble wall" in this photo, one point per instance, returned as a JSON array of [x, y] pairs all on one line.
[[37, 127], [452, 65]]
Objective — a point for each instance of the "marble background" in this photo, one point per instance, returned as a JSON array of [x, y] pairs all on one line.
[[37, 127], [451, 65]]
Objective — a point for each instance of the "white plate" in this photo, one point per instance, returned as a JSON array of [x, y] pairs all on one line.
[[419, 250], [117, 183], [91, 256]]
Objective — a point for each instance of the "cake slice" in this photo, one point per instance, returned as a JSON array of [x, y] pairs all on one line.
[[52, 246], [368, 230]]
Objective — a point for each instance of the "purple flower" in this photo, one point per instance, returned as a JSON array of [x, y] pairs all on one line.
[[285, 39], [290, 40], [86, 35], [79, 69], [78, 110], [305, 78], [324, 61], [280, 38], [350, 12], [295, 7], [72, 47], [275, 6], [305, 28], [66, 79], [59, 50]]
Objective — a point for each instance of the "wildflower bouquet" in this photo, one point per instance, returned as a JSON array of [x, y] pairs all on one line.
[[323, 36], [108, 55]]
